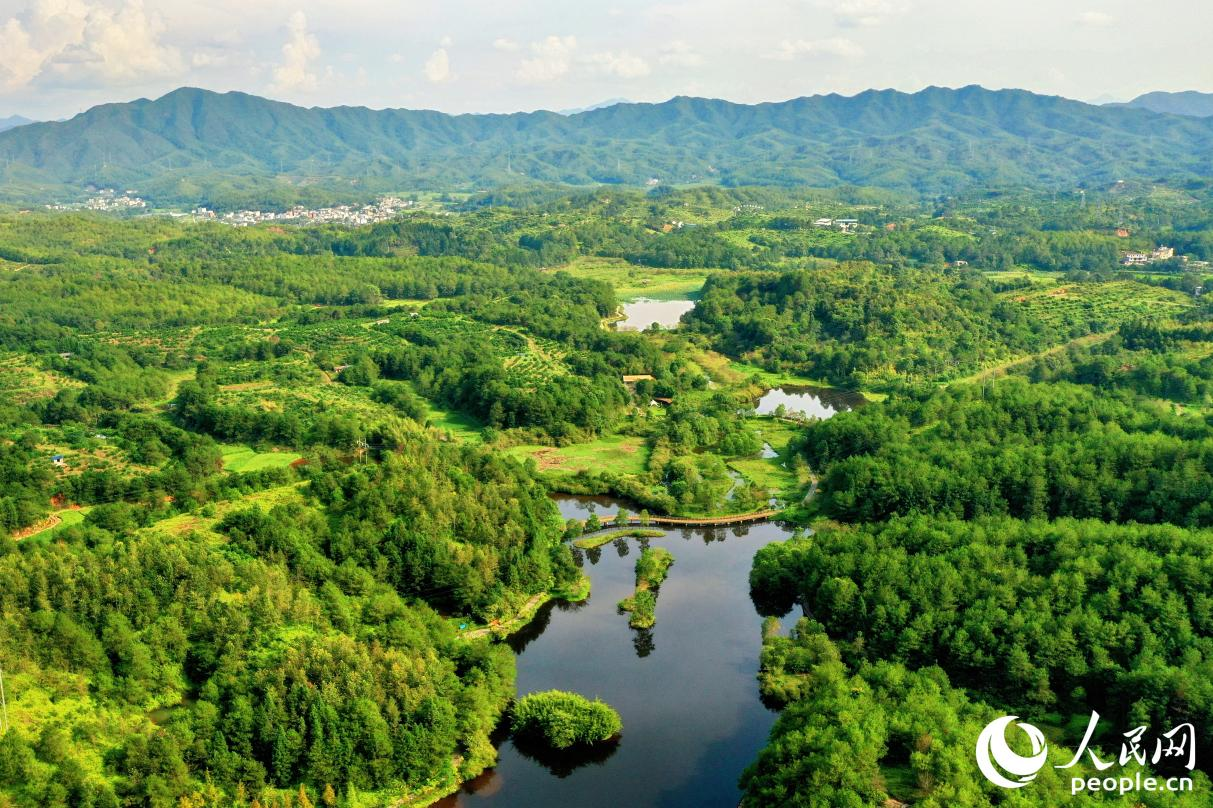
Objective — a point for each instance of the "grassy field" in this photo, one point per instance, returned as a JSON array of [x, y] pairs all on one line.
[[776, 474], [768, 473], [240, 459], [1036, 276], [462, 427], [69, 518], [57, 521], [631, 281], [405, 303], [769, 378], [617, 454]]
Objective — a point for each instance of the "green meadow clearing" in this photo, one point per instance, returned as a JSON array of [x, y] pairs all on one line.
[[241, 459], [632, 281], [617, 454]]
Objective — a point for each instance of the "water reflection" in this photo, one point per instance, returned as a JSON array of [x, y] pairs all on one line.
[[808, 402], [643, 312], [519, 640], [563, 762], [581, 507], [643, 642]]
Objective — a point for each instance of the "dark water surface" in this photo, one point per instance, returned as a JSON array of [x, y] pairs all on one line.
[[686, 690]]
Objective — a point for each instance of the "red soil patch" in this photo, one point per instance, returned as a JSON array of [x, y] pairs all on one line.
[[45, 524]]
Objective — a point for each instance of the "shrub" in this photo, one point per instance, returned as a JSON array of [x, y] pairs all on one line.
[[565, 719]]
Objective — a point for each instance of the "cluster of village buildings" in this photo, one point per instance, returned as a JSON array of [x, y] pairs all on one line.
[[1136, 259], [845, 225], [107, 200], [383, 209]]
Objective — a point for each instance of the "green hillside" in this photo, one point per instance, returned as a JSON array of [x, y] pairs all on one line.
[[195, 146], [1197, 105]]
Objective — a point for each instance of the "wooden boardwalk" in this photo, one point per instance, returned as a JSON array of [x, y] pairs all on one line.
[[608, 521]]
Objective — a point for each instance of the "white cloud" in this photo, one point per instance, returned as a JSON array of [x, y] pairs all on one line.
[[838, 47], [624, 64], [75, 43], [550, 59], [502, 43], [215, 58], [556, 56], [850, 13], [679, 54], [300, 51], [20, 61], [1096, 19], [438, 67]]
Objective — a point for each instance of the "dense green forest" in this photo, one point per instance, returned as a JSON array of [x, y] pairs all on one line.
[[853, 730], [209, 631], [1029, 450], [297, 643], [269, 496], [1057, 618]]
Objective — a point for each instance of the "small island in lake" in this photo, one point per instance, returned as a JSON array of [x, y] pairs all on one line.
[[563, 720], [651, 569]]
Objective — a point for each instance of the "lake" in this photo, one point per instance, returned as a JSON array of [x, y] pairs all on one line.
[[811, 402], [641, 313], [686, 689]]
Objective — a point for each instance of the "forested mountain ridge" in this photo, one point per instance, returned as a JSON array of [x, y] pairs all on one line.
[[199, 146], [1190, 102], [13, 121]]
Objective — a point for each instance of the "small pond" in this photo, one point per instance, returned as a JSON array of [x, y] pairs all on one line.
[[809, 402], [641, 313]]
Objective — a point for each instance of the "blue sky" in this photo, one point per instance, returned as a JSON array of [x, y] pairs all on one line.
[[58, 57]]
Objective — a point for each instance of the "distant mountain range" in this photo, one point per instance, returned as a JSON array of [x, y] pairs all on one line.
[[195, 146], [12, 122], [1192, 103], [610, 102]]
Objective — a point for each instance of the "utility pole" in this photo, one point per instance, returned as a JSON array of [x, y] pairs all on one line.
[[3, 705]]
